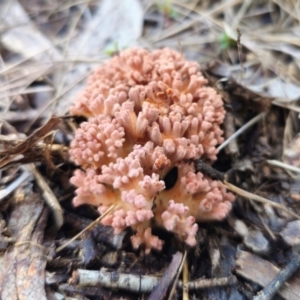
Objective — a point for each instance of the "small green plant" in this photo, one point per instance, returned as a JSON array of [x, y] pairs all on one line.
[[226, 42], [165, 7], [112, 49]]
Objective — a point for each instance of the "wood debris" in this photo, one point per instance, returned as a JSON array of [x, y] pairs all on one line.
[[23, 274], [263, 272]]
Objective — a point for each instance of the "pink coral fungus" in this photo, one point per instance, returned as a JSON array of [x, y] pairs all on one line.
[[147, 113]]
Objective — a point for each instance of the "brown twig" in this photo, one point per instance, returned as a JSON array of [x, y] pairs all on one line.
[[209, 283], [239, 45], [206, 169]]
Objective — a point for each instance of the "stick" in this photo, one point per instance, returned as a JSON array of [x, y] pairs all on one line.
[[279, 280]]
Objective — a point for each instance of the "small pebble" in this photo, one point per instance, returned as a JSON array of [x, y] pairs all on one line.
[[291, 233], [256, 241], [241, 228]]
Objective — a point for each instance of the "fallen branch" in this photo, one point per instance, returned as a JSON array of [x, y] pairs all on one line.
[[140, 283], [279, 280], [210, 283], [262, 272], [114, 280]]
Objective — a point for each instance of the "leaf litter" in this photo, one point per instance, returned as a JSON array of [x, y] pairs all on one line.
[[54, 49]]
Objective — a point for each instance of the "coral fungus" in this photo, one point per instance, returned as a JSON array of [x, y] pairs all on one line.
[[148, 113]]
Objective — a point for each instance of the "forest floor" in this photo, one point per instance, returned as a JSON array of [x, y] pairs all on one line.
[[249, 51]]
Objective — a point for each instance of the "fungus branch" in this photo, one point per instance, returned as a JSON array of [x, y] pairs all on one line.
[[147, 113]]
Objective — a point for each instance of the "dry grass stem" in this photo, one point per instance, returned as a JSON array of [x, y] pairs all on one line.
[[185, 279], [14, 185], [110, 209], [175, 283], [49, 197], [286, 105], [260, 199], [283, 165], [267, 228], [241, 130]]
